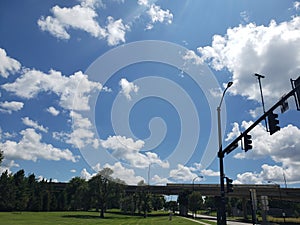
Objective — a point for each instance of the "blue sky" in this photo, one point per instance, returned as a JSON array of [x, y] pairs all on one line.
[[134, 86]]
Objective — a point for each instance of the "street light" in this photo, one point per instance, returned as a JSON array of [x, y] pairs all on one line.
[[222, 212], [280, 197], [195, 179]]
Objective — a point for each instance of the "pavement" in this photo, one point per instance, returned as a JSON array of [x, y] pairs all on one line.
[[214, 218]]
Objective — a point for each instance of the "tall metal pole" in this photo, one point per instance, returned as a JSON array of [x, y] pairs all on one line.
[[261, 95], [222, 212]]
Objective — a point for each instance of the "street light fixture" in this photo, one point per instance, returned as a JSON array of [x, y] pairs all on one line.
[[195, 179], [222, 212]]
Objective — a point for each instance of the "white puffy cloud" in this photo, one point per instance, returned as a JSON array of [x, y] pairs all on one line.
[[8, 65], [272, 50], [129, 150], [83, 17], [86, 175], [124, 174], [80, 17], [128, 87], [143, 2], [160, 180], [182, 173], [235, 132], [33, 82], [116, 31], [119, 172], [191, 56], [210, 173], [31, 147], [297, 5], [81, 134], [159, 15], [6, 165], [34, 124], [248, 178], [53, 111], [282, 147], [9, 107], [156, 13], [270, 174]]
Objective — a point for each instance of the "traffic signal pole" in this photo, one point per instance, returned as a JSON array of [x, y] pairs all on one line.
[[234, 143]]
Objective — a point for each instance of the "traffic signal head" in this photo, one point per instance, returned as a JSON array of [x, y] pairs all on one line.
[[273, 123], [229, 185], [247, 142], [297, 85]]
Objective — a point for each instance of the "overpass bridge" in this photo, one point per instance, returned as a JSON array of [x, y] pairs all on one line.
[[239, 190]]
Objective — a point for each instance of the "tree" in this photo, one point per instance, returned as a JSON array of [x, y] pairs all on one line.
[[195, 202], [1, 156], [99, 188], [157, 202], [143, 198], [21, 190], [7, 192], [76, 192], [183, 200]]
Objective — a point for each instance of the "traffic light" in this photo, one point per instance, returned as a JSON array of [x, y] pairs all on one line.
[[247, 142], [229, 185], [297, 85], [273, 123]]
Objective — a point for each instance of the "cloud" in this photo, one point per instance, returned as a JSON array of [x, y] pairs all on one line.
[[272, 174], [156, 14], [282, 147], [80, 17], [248, 178], [160, 180], [143, 2], [84, 174], [33, 82], [31, 147], [8, 65], [119, 172], [81, 134], [272, 50], [53, 111], [182, 173], [116, 31], [6, 165], [83, 17], [210, 173], [235, 132], [296, 5], [128, 87], [34, 124], [123, 173], [129, 150], [159, 15], [9, 107], [191, 56]]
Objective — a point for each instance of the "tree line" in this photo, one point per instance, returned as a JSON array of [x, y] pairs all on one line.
[[26, 193]]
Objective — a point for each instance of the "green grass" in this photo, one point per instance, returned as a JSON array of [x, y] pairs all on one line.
[[85, 218]]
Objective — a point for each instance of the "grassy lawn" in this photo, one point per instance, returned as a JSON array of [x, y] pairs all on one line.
[[86, 218]]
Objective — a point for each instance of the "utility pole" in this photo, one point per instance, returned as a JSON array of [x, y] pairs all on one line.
[[261, 94]]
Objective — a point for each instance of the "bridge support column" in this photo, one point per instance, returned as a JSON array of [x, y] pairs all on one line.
[[245, 213]]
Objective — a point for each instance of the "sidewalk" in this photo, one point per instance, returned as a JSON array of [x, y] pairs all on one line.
[[200, 216]]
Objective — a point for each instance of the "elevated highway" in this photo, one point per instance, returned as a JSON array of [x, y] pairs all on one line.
[[240, 190]]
